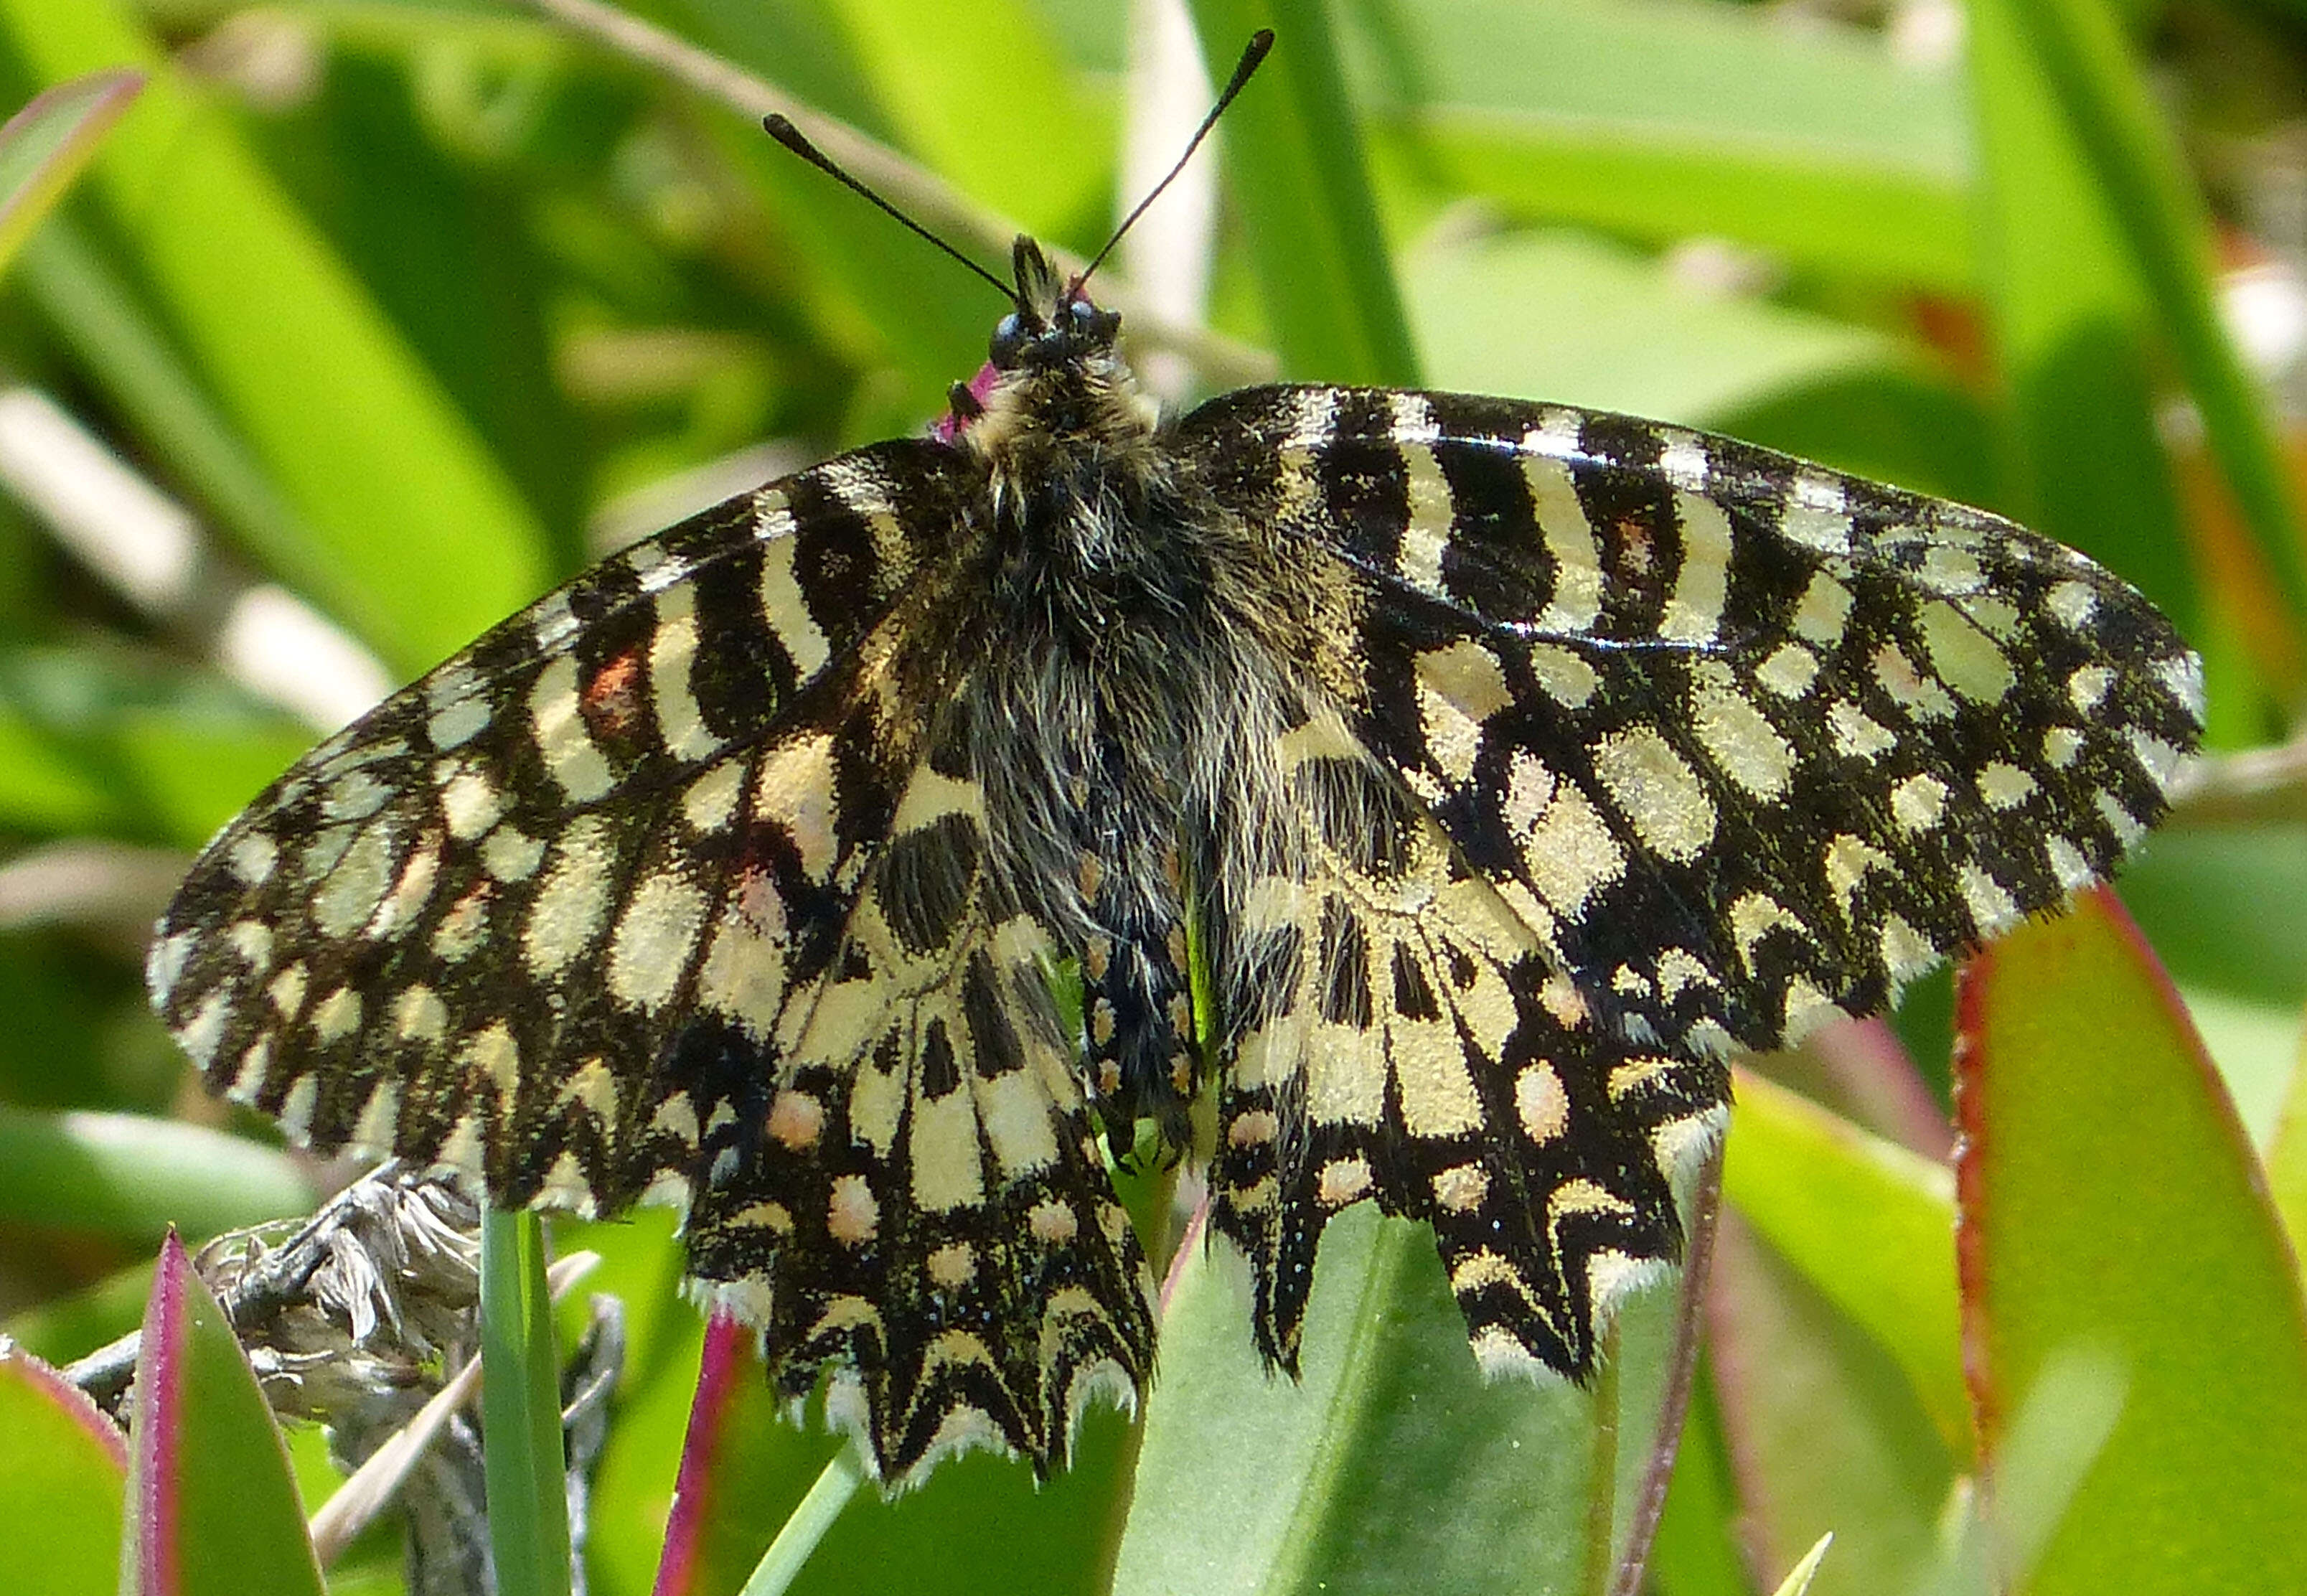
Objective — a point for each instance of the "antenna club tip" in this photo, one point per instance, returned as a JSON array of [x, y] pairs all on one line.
[[780, 127]]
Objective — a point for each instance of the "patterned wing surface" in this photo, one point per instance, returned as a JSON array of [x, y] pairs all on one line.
[[1732, 744], [604, 909]]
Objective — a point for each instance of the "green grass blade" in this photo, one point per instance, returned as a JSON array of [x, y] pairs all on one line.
[[1295, 168], [2075, 54], [520, 1411], [423, 542], [789, 1553]]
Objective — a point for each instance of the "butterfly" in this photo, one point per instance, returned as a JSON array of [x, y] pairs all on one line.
[[1444, 785]]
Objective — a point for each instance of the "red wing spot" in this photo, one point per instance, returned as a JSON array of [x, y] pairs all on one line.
[[611, 702], [1634, 545]]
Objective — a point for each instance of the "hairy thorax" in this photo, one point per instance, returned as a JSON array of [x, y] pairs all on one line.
[[1124, 707]]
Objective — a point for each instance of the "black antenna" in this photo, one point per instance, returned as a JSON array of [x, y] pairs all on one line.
[[1260, 42], [785, 132]]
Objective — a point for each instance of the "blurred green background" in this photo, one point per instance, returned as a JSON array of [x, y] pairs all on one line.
[[371, 319]]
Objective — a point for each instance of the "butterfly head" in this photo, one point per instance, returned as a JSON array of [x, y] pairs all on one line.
[[1054, 322], [1057, 380]]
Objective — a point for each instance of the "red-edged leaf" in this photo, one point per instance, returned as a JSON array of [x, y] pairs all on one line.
[[701, 1548], [62, 1468], [212, 1505], [2114, 1220]]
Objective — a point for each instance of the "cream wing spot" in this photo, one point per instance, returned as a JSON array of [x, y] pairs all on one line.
[[1343, 1181], [1577, 598], [853, 1214], [797, 788], [673, 652], [359, 883], [510, 855], [1918, 802], [1818, 515], [1694, 610], [1856, 734], [1966, 658], [570, 755], [1824, 609], [1741, 739], [457, 723], [1659, 795], [655, 939], [1787, 671], [572, 904], [1563, 676], [252, 858], [2005, 785], [469, 802]]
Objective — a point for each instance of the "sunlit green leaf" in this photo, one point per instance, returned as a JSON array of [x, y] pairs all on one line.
[[2112, 1210]]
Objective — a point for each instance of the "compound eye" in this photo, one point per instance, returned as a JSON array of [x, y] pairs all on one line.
[[1084, 314], [1009, 339]]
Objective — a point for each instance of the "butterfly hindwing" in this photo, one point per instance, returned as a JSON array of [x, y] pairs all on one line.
[[1422, 1052], [915, 1197]]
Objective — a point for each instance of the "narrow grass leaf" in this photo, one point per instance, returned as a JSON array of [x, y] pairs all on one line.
[[2078, 48], [1295, 171], [520, 1411], [1665, 122], [423, 541], [2071, 321]]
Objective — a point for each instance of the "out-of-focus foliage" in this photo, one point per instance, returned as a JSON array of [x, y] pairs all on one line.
[[391, 312]]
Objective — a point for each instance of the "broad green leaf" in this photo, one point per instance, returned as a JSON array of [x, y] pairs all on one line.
[[426, 543], [1868, 1223], [2227, 907], [44, 146], [1559, 315], [1824, 1426], [2112, 1210], [1665, 121], [520, 1411], [63, 1470], [136, 1176], [212, 1505], [981, 1527], [1392, 1464]]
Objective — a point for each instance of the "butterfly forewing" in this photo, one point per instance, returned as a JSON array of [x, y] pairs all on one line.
[[1746, 743]]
